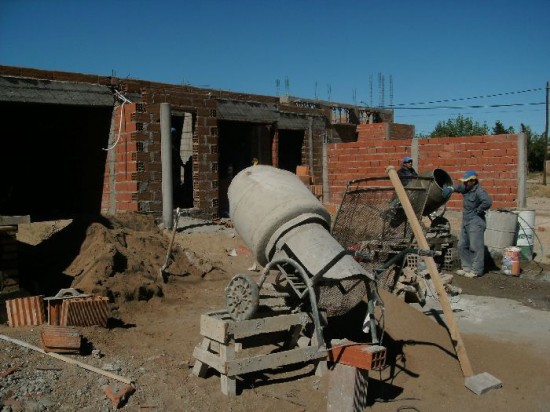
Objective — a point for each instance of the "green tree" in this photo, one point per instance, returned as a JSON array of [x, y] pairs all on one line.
[[535, 149], [461, 126], [500, 129]]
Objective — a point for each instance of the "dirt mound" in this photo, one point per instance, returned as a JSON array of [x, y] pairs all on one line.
[[122, 257]]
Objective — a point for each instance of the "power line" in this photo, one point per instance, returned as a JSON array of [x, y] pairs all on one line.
[[490, 112], [469, 98], [468, 107]]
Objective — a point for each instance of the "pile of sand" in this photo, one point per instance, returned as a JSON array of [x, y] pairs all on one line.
[[122, 259]]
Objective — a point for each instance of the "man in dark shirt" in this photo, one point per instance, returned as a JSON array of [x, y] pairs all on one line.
[[406, 171]]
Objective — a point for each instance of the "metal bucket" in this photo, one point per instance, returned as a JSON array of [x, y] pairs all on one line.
[[435, 197], [501, 231]]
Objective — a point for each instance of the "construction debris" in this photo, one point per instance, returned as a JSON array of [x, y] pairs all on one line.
[[27, 311], [9, 371], [119, 398], [60, 339]]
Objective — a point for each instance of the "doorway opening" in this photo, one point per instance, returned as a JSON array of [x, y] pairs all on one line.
[[54, 161], [291, 143], [240, 143], [182, 131]]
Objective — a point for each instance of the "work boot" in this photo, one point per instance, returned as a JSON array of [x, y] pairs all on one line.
[[471, 275]]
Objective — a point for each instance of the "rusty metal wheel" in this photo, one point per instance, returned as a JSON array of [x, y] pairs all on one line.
[[242, 297]]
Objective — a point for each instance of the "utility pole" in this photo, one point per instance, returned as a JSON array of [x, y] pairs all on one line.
[[544, 168]]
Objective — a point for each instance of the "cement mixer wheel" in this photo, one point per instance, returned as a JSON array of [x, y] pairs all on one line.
[[242, 297]]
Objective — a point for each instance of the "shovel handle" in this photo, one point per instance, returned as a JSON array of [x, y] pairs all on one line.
[[434, 273], [169, 251]]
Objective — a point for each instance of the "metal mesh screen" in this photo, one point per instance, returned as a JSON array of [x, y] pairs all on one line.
[[372, 220], [338, 298]]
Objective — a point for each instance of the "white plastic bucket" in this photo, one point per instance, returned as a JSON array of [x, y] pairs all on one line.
[[526, 233], [501, 231]]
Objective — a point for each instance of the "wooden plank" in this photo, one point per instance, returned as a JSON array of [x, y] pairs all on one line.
[[219, 327], [67, 359], [460, 349], [214, 328], [211, 359], [200, 368], [266, 325], [228, 383], [265, 339], [14, 220], [273, 360]]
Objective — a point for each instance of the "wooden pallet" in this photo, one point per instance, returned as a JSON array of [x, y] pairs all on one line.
[[225, 340]]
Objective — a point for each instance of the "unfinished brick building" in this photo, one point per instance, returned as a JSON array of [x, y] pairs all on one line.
[[84, 144]]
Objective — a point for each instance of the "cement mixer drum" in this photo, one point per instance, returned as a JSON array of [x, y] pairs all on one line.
[[262, 198]]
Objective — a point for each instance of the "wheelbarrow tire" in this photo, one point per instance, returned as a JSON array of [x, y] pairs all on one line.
[[242, 297]]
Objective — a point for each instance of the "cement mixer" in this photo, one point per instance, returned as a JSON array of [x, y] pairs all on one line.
[[287, 229]]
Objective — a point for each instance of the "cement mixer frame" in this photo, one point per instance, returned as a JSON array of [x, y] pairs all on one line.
[[243, 292]]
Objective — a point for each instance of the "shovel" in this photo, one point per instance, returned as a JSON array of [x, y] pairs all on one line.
[[163, 274], [482, 382]]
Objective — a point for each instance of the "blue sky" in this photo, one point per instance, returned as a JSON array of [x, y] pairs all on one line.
[[433, 51]]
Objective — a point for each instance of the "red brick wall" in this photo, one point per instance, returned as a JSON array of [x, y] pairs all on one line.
[[125, 157], [495, 158], [137, 155], [368, 157]]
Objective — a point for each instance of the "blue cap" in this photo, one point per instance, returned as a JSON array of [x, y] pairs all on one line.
[[407, 159], [470, 174]]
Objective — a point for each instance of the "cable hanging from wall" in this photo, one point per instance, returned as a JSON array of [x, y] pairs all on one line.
[[124, 100]]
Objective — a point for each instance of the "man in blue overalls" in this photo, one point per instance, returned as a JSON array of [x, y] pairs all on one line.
[[476, 202]]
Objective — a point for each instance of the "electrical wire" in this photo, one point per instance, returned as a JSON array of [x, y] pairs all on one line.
[[424, 114], [469, 98], [124, 101], [480, 106]]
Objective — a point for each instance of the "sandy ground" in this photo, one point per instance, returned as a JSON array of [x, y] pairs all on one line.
[[154, 328]]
